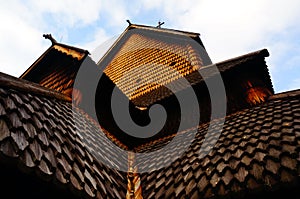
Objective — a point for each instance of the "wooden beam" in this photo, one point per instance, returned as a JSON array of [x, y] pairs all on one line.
[[22, 85]]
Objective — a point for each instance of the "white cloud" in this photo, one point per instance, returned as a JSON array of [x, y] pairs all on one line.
[[116, 12], [69, 12], [99, 44], [99, 37], [233, 27], [20, 42], [228, 28], [101, 49], [24, 23]]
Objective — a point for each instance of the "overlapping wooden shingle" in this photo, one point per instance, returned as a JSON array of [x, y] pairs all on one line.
[[255, 154], [38, 133]]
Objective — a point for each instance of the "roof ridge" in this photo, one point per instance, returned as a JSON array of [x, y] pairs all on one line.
[[54, 42], [12, 82], [167, 30], [264, 52], [285, 94], [73, 48]]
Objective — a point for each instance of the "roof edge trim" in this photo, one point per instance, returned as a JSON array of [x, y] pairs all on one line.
[[112, 46], [285, 94], [11, 82], [263, 52], [35, 62], [166, 30], [73, 48], [81, 55]]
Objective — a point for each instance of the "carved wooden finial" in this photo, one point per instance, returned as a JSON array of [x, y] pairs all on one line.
[[160, 24], [129, 23], [49, 36]]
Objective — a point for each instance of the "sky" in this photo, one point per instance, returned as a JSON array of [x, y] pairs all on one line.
[[227, 28]]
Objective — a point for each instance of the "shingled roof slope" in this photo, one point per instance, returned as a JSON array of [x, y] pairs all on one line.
[[257, 151], [38, 134], [256, 155]]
